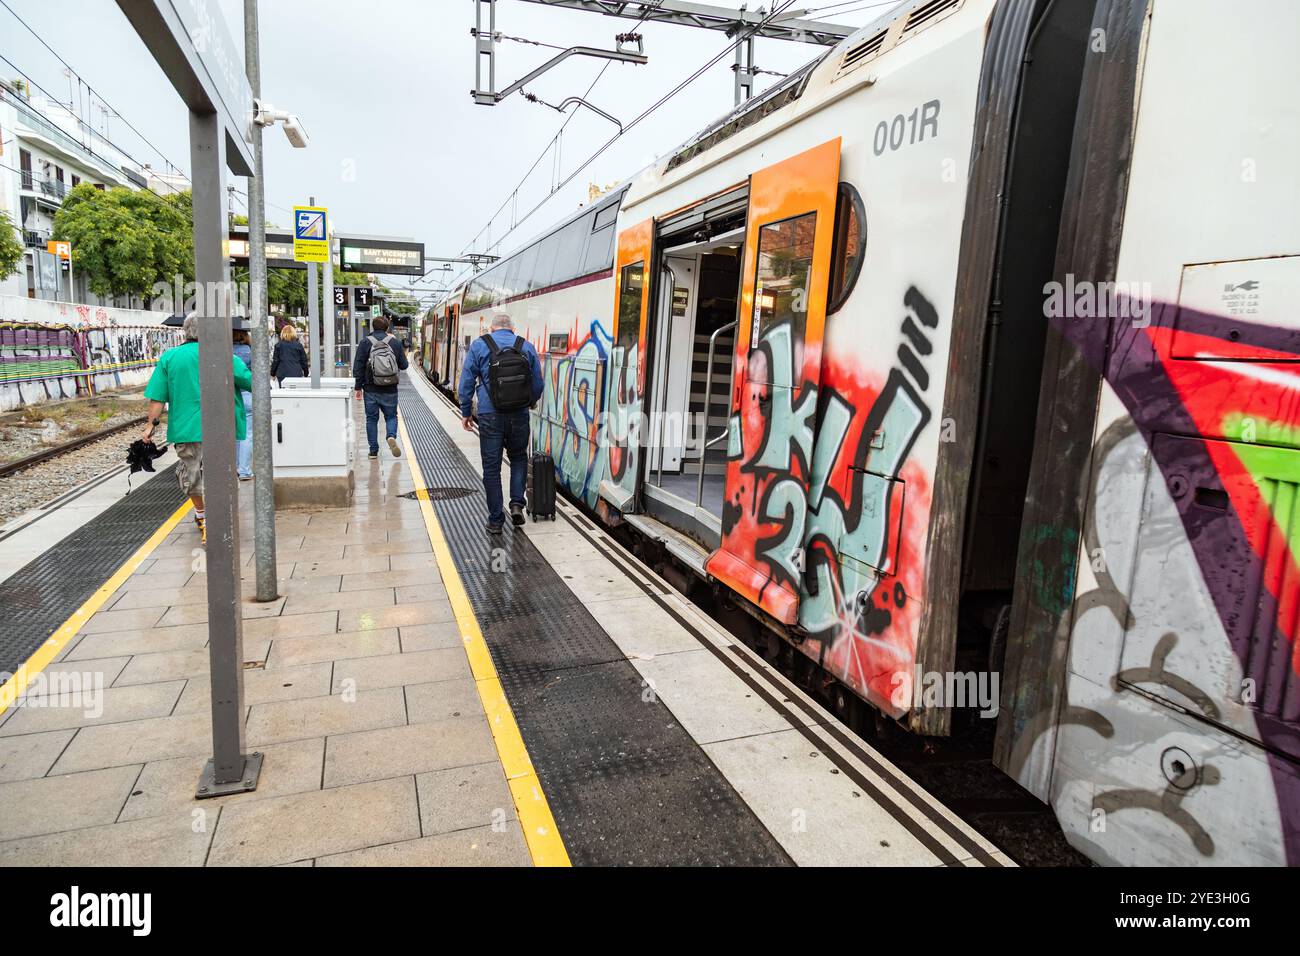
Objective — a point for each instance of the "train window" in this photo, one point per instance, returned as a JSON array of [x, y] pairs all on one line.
[[568, 254], [785, 251], [629, 308], [510, 283], [476, 295], [600, 251], [605, 217], [526, 277], [849, 244], [544, 271]]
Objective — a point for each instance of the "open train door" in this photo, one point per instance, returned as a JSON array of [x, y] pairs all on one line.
[[625, 375], [782, 318]]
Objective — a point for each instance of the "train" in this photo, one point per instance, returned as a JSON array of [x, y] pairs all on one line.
[[962, 361]]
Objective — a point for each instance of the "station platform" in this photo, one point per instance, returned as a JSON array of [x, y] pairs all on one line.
[[423, 693]]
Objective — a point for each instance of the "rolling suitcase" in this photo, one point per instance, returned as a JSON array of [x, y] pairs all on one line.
[[541, 487]]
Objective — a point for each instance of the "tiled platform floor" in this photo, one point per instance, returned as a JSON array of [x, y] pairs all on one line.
[[357, 689]]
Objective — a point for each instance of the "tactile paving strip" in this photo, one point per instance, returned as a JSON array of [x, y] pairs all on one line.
[[626, 783], [39, 597]]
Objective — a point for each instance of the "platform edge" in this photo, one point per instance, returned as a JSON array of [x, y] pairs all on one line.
[[545, 845]]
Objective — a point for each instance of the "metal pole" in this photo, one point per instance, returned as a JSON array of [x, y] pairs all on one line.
[[230, 770], [263, 467], [313, 317], [327, 310], [352, 331], [708, 404], [744, 70]]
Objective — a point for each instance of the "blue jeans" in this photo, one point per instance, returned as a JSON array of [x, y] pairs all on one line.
[[506, 431], [244, 449], [377, 402]]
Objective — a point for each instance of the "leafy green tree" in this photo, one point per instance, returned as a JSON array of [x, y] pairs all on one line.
[[124, 241], [11, 249]]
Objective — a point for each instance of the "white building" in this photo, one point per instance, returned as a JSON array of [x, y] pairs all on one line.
[[165, 184], [45, 150]]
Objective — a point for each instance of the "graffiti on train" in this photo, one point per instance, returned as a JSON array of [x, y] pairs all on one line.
[[817, 509], [570, 411], [1204, 465]]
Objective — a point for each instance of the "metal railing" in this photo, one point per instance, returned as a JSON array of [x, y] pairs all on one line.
[[708, 443]]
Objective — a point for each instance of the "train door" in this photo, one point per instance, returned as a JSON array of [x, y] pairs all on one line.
[[692, 337], [670, 367], [777, 363], [447, 345], [624, 380]]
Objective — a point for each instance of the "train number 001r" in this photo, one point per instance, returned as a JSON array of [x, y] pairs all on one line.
[[905, 130]]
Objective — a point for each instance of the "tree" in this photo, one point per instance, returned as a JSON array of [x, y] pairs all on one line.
[[11, 249], [124, 241]]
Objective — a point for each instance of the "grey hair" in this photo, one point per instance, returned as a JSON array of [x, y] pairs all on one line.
[[502, 321], [190, 330]]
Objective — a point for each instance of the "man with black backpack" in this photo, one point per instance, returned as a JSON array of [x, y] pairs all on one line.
[[380, 357], [502, 369]]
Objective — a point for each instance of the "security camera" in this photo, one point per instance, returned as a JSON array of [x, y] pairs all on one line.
[[295, 132], [264, 114]]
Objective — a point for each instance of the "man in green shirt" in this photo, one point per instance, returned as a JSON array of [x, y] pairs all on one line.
[[175, 383]]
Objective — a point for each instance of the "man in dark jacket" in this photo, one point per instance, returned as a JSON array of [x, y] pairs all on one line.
[[378, 397]]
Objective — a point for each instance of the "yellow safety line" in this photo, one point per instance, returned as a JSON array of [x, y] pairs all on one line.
[[17, 684], [544, 842]]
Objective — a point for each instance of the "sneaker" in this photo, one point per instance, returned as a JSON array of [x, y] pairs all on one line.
[[516, 513], [493, 528], [374, 453], [395, 448], [245, 477]]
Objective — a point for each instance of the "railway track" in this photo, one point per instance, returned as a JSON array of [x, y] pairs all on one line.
[[49, 453]]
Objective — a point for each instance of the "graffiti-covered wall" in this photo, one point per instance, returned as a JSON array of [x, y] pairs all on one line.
[[57, 350]]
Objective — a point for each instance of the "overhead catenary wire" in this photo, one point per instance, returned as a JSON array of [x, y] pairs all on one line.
[[713, 61], [740, 38], [553, 143]]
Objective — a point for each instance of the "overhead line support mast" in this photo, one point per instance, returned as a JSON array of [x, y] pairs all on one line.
[[731, 21]]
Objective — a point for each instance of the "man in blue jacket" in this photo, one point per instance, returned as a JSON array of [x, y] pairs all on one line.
[[499, 430]]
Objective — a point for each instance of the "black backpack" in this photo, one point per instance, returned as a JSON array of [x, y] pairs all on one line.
[[510, 379]]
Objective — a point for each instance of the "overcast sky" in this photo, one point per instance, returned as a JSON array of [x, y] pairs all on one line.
[[397, 146]]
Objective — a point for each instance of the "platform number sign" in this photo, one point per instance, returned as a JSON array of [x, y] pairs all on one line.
[[340, 297], [310, 234], [363, 296]]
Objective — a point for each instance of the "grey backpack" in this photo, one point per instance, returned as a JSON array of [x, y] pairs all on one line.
[[383, 363]]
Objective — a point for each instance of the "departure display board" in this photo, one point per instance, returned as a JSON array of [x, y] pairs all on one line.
[[382, 256]]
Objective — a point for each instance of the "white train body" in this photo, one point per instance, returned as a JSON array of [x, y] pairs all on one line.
[[1003, 302]]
